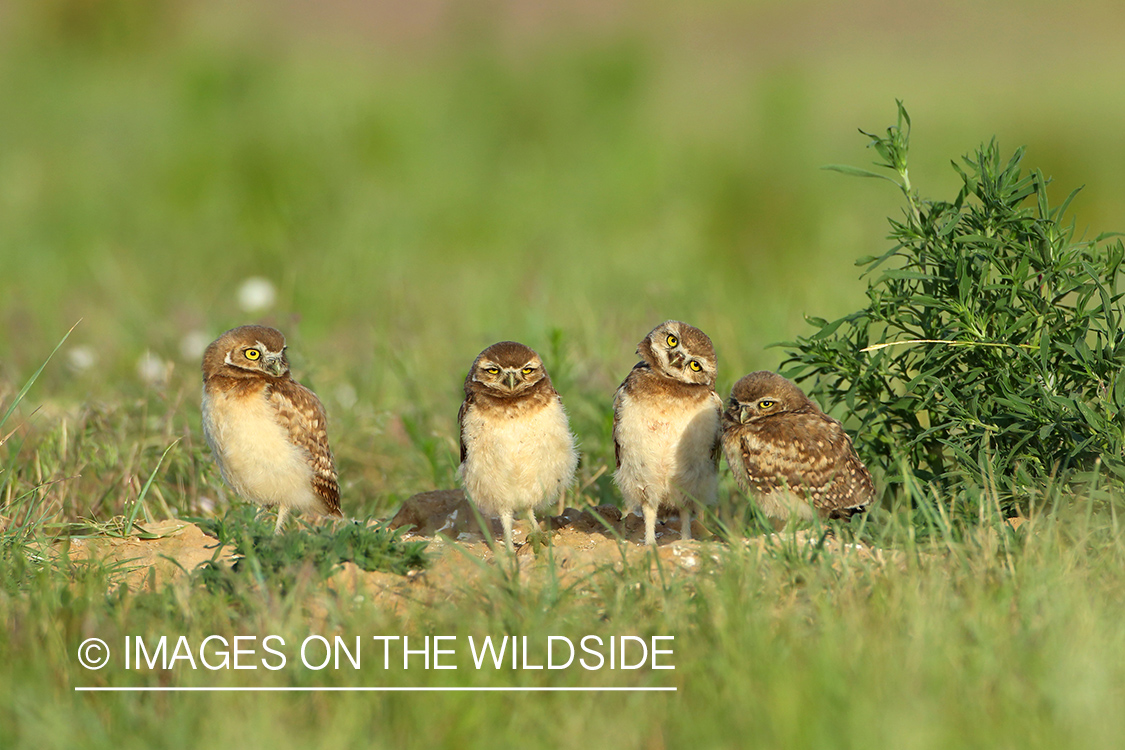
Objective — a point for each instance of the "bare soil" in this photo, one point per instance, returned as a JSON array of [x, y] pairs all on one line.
[[571, 547]]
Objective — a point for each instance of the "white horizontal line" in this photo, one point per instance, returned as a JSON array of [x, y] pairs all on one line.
[[167, 689]]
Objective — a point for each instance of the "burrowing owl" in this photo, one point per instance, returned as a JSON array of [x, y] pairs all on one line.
[[267, 431], [795, 459], [517, 453], [666, 425]]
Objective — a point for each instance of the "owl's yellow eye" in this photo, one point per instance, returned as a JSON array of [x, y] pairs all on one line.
[[252, 354], [672, 340], [492, 370], [766, 403], [528, 370], [695, 365]]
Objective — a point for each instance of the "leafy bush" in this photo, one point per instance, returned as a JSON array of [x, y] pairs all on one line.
[[992, 344]]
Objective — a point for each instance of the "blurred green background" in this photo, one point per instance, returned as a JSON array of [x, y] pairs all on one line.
[[419, 180], [416, 180]]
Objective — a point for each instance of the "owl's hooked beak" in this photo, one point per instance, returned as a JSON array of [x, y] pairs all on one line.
[[510, 379], [744, 412], [677, 359], [275, 364]]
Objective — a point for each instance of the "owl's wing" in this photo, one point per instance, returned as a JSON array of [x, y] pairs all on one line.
[[759, 462], [844, 484], [616, 421], [300, 412], [618, 401], [717, 447], [461, 423], [853, 488], [813, 452]]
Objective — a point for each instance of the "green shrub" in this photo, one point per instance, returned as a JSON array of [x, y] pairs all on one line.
[[276, 559], [991, 347]]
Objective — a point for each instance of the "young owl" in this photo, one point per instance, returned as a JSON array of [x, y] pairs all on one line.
[[268, 432], [666, 426], [794, 458], [517, 453]]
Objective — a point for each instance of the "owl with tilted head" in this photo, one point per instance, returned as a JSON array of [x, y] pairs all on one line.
[[517, 452], [794, 459], [268, 433], [666, 426]]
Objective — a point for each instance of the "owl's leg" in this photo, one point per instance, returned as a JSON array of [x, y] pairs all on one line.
[[685, 522], [535, 535], [650, 524], [506, 522], [282, 512]]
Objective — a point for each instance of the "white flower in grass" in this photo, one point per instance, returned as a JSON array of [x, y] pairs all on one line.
[[81, 358], [193, 344], [152, 370], [256, 294]]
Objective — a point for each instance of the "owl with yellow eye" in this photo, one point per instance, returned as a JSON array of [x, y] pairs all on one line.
[[795, 460], [268, 433], [517, 451], [666, 426]]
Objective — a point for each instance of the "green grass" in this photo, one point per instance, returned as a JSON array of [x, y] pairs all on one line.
[[419, 189], [266, 558], [999, 639]]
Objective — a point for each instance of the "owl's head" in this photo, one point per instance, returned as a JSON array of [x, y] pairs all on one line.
[[680, 352], [506, 369], [764, 394], [247, 352]]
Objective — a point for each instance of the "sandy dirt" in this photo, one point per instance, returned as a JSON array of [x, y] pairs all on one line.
[[571, 548], [163, 551]]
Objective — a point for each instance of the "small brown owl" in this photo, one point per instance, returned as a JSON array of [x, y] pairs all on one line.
[[268, 432], [796, 460], [517, 452], [666, 426]]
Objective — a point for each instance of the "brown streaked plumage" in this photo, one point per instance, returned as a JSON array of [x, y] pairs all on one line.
[[666, 426], [517, 452], [268, 433], [792, 457]]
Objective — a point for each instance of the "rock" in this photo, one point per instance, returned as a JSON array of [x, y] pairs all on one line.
[[445, 512]]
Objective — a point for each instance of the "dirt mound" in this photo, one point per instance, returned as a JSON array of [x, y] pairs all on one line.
[[570, 548], [449, 512], [163, 551]]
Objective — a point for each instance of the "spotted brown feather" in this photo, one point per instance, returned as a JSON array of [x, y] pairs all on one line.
[[785, 451], [302, 414]]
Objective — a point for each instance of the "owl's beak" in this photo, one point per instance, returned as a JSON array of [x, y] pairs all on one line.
[[677, 359], [510, 379], [743, 414], [276, 366]]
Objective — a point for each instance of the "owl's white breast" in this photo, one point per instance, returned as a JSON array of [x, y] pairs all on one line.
[[254, 452], [666, 448], [519, 462]]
